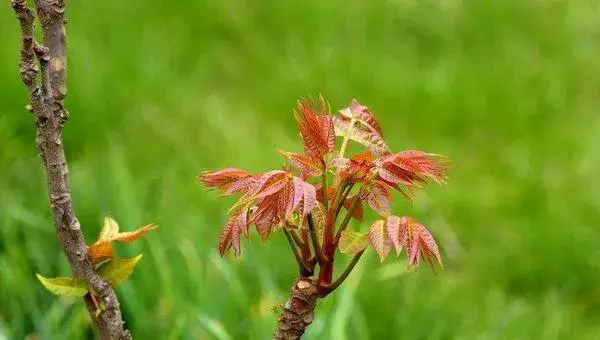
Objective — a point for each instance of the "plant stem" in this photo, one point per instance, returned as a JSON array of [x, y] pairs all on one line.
[[301, 266], [46, 97], [347, 218], [347, 138], [296, 239], [324, 188], [315, 240], [306, 254], [341, 200], [344, 274]]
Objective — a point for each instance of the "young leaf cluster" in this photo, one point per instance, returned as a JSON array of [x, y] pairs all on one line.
[[306, 197], [113, 269]]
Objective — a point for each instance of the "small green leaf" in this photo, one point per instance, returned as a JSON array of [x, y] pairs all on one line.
[[352, 242], [65, 286], [319, 215], [118, 270]]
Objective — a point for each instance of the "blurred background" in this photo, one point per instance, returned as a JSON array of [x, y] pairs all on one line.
[[160, 90]]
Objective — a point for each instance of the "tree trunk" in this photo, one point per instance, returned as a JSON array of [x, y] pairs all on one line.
[[46, 97], [298, 311]]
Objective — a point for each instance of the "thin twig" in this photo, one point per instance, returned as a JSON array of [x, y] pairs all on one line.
[[344, 274], [315, 240], [296, 239], [324, 188], [340, 201], [304, 271], [347, 218], [47, 103]]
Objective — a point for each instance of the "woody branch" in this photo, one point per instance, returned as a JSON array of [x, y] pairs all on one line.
[[46, 97]]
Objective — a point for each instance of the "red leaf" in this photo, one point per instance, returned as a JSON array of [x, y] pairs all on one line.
[[270, 183], [222, 179], [363, 158], [429, 248], [286, 200], [412, 168], [236, 225], [264, 229], [377, 196], [356, 169], [225, 239], [380, 240], [307, 165], [316, 129], [242, 185], [242, 222], [235, 238]]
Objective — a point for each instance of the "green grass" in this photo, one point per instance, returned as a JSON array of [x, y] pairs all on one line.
[[161, 90]]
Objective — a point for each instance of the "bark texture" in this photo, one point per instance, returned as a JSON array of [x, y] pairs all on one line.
[[46, 97], [298, 312]]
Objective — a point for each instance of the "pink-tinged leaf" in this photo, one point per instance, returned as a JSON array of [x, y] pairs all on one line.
[[307, 165], [393, 228], [267, 210], [362, 114], [242, 185], [370, 139], [222, 179], [428, 245], [286, 201], [403, 231], [230, 237], [380, 240], [270, 183], [412, 245], [352, 242], [225, 239], [309, 198], [298, 192], [418, 241], [377, 196]]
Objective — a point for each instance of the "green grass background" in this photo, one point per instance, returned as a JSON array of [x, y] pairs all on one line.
[[160, 90]]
